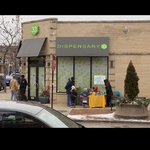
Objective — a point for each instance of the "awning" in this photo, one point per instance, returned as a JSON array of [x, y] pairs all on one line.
[[31, 47]]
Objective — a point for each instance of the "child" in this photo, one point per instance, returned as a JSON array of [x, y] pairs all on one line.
[[84, 97]]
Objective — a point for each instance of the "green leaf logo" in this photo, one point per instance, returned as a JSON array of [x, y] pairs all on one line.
[[104, 46], [35, 30]]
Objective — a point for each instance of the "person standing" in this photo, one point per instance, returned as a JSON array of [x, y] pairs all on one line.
[[22, 89], [68, 86], [73, 96], [109, 92], [14, 88]]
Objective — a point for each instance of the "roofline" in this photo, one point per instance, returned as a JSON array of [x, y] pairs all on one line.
[[102, 21], [39, 20], [108, 21]]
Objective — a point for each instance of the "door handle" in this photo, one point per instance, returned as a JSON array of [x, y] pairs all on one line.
[[36, 85]]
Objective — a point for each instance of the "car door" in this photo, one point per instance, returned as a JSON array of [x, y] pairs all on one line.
[[0, 120], [1, 82]]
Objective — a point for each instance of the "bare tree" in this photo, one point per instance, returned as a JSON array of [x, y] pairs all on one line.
[[10, 35]]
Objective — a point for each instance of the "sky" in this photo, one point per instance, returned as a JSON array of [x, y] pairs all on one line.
[[26, 18]]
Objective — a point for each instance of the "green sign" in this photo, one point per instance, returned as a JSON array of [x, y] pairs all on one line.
[[103, 46], [80, 46], [35, 30]]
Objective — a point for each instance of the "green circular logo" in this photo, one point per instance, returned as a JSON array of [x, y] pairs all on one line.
[[103, 46], [35, 30]]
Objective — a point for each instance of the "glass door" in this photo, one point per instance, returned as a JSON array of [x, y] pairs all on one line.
[[36, 82], [36, 76], [40, 80], [32, 83]]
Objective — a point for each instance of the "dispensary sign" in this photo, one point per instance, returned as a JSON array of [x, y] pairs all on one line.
[[35, 30], [82, 46]]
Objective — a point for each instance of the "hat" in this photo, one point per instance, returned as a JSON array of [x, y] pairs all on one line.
[[85, 89], [73, 88]]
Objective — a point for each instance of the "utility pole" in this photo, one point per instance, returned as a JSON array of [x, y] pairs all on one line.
[[53, 69], [17, 42]]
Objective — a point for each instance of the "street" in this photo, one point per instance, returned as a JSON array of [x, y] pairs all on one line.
[[106, 124]]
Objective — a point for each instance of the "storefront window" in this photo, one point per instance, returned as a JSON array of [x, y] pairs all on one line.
[[82, 72], [65, 71], [83, 69], [99, 68]]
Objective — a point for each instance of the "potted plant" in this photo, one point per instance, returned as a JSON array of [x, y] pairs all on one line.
[[131, 106], [44, 96]]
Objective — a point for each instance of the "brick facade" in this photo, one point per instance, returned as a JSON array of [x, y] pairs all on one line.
[[129, 40]]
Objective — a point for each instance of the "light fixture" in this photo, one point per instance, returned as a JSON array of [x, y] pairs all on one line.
[[125, 30], [52, 28], [53, 33]]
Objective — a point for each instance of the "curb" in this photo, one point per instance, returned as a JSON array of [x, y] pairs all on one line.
[[113, 121]]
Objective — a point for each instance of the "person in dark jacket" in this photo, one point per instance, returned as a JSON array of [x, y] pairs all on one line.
[[109, 92], [68, 86], [22, 89]]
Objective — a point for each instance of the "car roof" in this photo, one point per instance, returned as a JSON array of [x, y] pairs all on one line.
[[24, 107], [15, 73]]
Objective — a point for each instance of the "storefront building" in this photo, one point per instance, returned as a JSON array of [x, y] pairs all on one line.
[[90, 51]]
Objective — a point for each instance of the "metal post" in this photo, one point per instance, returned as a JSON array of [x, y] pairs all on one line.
[[53, 69], [52, 88]]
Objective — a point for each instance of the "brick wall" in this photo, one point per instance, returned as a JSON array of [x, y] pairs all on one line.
[[124, 46]]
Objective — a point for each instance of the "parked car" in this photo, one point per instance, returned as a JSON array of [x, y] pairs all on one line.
[[32, 115], [17, 75], [10, 77], [1, 82]]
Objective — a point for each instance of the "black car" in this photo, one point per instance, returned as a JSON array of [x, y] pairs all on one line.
[[16, 114]]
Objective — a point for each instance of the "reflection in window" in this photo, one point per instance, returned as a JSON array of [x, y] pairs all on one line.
[[20, 120], [50, 119]]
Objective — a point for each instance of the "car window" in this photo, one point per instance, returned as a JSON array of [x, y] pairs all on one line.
[[20, 120], [67, 121], [51, 120], [56, 119]]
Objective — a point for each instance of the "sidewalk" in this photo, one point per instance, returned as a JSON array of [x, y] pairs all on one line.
[[63, 108], [5, 96], [85, 114], [60, 107]]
